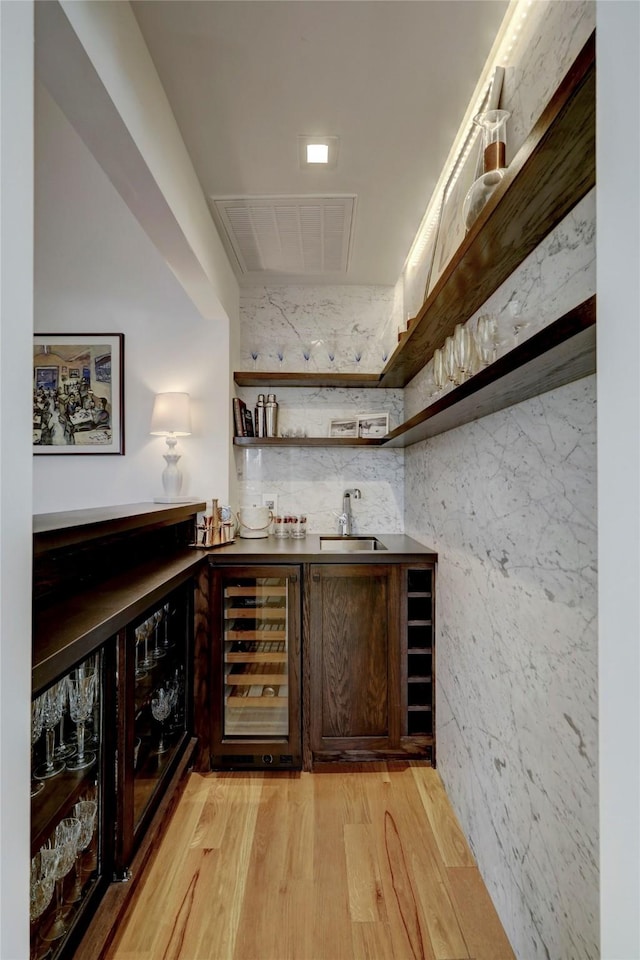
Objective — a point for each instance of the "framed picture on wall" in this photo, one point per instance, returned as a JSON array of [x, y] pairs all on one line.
[[78, 393]]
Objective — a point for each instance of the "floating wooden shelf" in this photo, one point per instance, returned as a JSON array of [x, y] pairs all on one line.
[[278, 379], [307, 442], [561, 352], [552, 171]]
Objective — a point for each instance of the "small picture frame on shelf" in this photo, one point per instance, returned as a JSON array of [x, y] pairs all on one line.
[[373, 425], [343, 429]]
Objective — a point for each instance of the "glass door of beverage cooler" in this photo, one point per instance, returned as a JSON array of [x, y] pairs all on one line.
[[259, 671]]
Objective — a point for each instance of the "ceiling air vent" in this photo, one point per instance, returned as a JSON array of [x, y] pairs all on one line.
[[287, 235]]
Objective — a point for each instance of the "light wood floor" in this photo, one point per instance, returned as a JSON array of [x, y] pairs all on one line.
[[366, 863]]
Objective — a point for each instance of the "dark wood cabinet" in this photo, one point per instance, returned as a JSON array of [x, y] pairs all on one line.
[[107, 584], [364, 687]]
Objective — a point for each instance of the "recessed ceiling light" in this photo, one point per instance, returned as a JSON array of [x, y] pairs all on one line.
[[317, 151]]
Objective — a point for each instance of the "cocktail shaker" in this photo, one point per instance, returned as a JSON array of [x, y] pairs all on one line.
[[261, 421], [272, 415]]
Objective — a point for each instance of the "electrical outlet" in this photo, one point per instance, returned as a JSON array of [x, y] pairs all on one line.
[[270, 500]]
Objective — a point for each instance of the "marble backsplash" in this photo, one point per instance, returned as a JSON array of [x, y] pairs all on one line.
[[339, 322], [509, 503], [312, 480]]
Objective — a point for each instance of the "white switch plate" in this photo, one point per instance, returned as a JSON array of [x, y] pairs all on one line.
[[270, 500]]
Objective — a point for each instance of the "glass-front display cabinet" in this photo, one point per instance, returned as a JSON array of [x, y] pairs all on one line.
[[70, 861], [154, 685], [256, 649]]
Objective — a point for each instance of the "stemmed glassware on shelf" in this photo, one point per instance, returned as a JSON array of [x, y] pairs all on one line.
[[37, 723], [166, 642], [81, 694], [145, 632], [463, 351], [486, 337], [451, 362], [254, 356], [53, 699], [156, 619], [85, 811], [65, 842], [140, 672], [64, 750], [161, 708], [41, 886]]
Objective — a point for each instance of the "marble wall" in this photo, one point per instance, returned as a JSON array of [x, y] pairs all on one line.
[[509, 503], [335, 320]]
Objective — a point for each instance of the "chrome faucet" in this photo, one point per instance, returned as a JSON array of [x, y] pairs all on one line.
[[345, 519]]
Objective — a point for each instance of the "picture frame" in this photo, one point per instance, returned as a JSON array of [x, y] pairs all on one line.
[[344, 428], [373, 425], [78, 393]]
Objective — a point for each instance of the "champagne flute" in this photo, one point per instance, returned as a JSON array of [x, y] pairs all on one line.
[[156, 618], [451, 362], [439, 373]]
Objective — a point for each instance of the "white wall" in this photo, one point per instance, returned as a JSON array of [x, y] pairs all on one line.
[[618, 118], [97, 271], [16, 308]]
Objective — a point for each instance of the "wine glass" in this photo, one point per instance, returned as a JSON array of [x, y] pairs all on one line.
[[166, 643], [156, 618], [439, 373], [37, 723], [65, 841], [51, 715], [42, 882], [486, 333], [64, 750], [161, 708], [451, 368], [81, 693], [254, 356], [140, 672], [463, 352], [330, 347], [145, 631], [280, 356], [85, 811]]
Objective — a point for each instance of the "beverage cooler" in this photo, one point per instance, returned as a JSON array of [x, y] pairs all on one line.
[[256, 668]]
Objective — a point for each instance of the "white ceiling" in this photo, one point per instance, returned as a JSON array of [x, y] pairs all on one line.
[[391, 78]]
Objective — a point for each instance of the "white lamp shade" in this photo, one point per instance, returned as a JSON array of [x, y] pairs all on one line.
[[171, 415]]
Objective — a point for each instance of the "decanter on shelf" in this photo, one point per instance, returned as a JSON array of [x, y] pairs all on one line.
[[493, 124]]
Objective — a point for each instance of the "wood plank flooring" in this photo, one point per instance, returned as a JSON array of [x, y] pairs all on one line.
[[366, 862]]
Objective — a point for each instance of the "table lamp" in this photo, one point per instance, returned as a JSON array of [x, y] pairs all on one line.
[[171, 419]]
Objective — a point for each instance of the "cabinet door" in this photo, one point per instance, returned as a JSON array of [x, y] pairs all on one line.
[[71, 737], [354, 658], [155, 682], [256, 628]]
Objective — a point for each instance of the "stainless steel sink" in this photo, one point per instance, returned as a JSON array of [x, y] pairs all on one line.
[[351, 544]]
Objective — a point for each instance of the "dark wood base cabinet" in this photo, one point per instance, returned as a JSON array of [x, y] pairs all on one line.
[[112, 711], [370, 656]]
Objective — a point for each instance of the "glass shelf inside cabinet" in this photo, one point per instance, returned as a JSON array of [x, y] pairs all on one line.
[[66, 803], [256, 691], [160, 699]]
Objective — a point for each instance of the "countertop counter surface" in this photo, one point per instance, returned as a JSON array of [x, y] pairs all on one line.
[[400, 548]]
